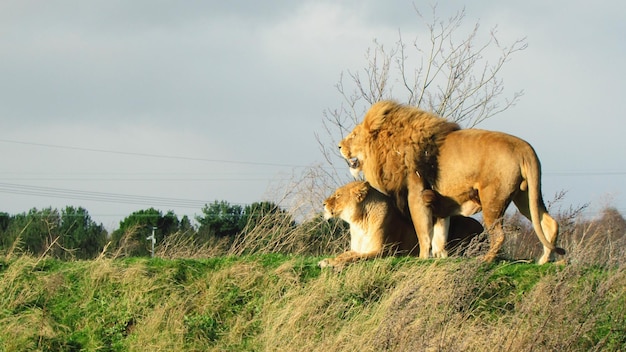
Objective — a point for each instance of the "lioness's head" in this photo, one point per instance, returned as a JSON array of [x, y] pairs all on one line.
[[345, 198]]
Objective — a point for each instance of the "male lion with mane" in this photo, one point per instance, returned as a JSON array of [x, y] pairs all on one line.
[[378, 229], [403, 151]]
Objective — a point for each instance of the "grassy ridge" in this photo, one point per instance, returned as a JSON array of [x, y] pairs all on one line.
[[285, 303]]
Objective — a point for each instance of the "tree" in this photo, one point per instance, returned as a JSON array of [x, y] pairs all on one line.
[[67, 234], [451, 74], [5, 219], [34, 232], [265, 228], [185, 225], [79, 233], [220, 219], [258, 213], [167, 224], [611, 224], [324, 236], [136, 228], [13, 228]]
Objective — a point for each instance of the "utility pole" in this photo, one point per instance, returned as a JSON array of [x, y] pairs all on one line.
[[153, 240]]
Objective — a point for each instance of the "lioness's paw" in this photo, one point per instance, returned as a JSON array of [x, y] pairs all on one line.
[[323, 263], [330, 263]]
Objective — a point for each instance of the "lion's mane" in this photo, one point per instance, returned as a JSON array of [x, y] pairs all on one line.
[[404, 139]]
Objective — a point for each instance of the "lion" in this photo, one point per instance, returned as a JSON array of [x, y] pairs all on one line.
[[377, 228], [403, 151]]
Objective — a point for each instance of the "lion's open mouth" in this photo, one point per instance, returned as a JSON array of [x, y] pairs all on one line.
[[353, 163]]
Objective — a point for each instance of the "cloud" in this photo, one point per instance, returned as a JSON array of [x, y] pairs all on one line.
[[249, 81]]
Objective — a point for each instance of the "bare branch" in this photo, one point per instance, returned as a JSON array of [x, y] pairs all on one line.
[[449, 71]]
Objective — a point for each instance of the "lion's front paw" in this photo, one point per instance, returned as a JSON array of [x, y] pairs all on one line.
[[324, 263], [440, 254], [438, 250], [331, 263]]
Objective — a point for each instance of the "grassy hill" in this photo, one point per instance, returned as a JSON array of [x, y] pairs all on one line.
[[271, 302]]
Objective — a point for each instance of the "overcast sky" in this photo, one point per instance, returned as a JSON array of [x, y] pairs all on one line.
[[118, 106]]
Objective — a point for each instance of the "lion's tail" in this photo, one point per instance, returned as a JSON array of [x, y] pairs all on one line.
[[532, 173]]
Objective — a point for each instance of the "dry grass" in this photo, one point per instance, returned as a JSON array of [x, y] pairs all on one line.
[[281, 304], [447, 308], [243, 297]]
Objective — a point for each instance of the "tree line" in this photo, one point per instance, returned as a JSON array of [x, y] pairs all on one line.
[[71, 233]]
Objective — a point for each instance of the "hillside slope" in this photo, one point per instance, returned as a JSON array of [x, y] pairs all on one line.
[[285, 303]]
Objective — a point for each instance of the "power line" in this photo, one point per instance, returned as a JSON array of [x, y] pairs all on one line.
[[100, 196], [178, 157], [130, 173], [585, 173], [137, 179], [96, 176], [160, 156]]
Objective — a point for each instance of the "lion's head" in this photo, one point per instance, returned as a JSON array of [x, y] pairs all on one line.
[[354, 146], [354, 156]]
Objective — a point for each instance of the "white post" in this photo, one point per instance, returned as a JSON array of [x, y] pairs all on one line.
[[153, 240]]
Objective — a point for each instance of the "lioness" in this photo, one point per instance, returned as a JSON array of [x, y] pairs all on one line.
[[378, 229], [402, 151]]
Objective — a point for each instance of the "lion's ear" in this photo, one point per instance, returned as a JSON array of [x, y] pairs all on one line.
[[360, 192], [377, 115]]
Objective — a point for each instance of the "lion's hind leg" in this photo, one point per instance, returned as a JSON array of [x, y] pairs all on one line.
[[549, 226], [493, 210], [551, 230], [496, 239]]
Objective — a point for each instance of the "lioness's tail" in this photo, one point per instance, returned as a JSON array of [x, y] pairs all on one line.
[[531, 170]]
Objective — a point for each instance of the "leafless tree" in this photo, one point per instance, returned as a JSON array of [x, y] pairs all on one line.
[[451, 70]]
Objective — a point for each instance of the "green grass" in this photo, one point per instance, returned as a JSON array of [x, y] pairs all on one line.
[[285, 302]]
